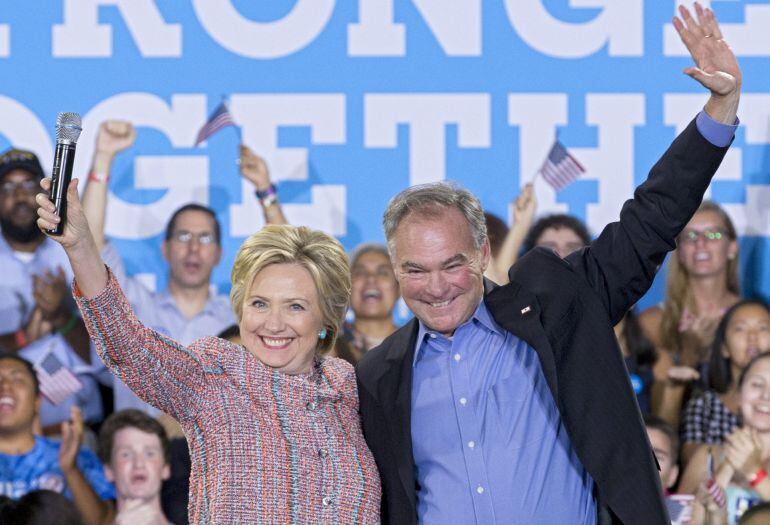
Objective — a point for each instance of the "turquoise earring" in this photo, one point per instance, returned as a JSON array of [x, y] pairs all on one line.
[[322, 333]]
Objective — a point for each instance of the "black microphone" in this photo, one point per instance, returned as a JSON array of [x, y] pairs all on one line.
[[67, 133]]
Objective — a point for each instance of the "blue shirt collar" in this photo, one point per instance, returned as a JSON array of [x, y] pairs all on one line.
[[480, 317]]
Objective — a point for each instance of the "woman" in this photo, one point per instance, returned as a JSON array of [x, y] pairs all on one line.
[[373, 296], [743, 333], [702, 284], [741, 464], [273, 429]]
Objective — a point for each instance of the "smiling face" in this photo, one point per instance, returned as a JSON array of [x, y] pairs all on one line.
[[282, 317], [755, 396], [439, 269], [375, 289], [18, 402], [137, 465], [747, 334], [704, 247], [191, 258]]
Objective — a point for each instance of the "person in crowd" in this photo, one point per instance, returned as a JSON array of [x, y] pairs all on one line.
[[40, 507], [563, 234], [136, 453], [273, 428], [739, 465], [30, 462], [36, 274], [702, 285], [665, 445], [373, 297], [640, 356], [506, 243], [742, 334], [515, 402]]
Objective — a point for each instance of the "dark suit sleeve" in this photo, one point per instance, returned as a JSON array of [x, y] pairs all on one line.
[[621, 263]]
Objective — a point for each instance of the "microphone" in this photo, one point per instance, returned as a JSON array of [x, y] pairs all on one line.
[[68, 128]]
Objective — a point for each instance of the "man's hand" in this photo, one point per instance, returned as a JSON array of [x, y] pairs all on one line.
[[716, 67], [114, 136], [744, 451], [525, 205], [49, 292], [72, 435], [254, 169]]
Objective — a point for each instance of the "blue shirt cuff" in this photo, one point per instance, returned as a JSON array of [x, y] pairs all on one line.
[[718, 134]]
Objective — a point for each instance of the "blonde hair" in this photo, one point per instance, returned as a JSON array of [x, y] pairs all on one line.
[[678, 294], [321, 255]]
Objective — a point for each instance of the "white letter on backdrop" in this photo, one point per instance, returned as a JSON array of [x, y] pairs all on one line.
[[260, 117], [619, 26], [753, 216], [24, 130], [456, 26], [264, 39], [81, 34], [5, 40], [427, 116], [185, 177], [748, 39]]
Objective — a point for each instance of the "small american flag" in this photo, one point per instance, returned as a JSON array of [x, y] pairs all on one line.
[[221, 118], [57, 382], [560, 168]]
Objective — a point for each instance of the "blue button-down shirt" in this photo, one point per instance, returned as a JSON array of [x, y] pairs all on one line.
[[488, 441]]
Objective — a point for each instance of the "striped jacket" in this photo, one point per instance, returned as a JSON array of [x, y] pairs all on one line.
[[266, 447]]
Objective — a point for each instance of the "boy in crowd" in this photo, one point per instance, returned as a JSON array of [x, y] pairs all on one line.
[[135, 452]]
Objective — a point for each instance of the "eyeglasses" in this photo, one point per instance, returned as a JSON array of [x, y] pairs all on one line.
[[186, 237], [27, 186], [692, 236]]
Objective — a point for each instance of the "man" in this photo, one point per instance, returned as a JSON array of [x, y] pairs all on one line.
[[665, 445], [512, 405], [35, 280], [188, 308], [29, 462], [135, 452]]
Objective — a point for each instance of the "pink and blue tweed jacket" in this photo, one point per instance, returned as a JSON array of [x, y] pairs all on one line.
[[266, 447]]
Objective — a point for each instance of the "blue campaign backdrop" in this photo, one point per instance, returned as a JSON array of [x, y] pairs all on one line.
[[350, 102]]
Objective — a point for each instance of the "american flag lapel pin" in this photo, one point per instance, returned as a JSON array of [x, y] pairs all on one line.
[[525, 310]]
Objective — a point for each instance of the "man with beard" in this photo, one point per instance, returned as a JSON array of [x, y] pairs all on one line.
[[35, 277]]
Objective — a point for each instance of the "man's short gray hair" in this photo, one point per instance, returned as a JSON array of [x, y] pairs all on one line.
[[431, 200]]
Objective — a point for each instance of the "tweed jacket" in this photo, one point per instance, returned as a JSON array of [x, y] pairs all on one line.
[[266, 447]]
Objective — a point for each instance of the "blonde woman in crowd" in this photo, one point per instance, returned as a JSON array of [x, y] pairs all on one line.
[[702, 285]]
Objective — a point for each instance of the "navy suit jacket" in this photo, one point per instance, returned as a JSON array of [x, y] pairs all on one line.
[[565, 309]]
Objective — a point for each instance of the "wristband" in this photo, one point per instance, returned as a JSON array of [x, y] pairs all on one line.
[[21, 338], [98, 177], [263, 194], [757, 478], [69, 325], [267, 197]]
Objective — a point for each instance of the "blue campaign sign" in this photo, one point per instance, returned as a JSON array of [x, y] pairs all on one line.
[[352, 101]]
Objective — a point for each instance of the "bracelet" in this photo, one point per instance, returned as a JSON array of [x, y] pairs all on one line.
[[267, 197], [98, 177], [757, 478], [21, 338], [69, 325]]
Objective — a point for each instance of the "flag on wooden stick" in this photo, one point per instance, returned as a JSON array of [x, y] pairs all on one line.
[[560, 168]]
